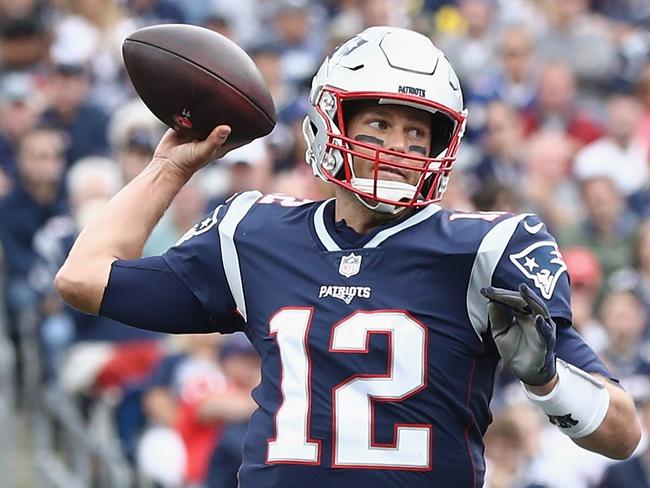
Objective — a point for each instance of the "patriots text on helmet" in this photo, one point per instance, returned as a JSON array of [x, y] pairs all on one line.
[[411, 90]]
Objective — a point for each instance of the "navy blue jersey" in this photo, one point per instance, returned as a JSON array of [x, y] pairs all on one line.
[[377, 361]]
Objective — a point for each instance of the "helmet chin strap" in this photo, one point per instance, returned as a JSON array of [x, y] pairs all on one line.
[[389, 190]]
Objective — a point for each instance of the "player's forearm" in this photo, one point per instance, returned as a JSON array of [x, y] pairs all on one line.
[[619, 433], [119, 231]]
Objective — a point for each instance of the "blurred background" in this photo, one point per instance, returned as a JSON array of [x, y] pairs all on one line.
[[558, 93]]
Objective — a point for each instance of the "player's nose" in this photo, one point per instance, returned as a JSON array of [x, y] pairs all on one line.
[[397, 141]]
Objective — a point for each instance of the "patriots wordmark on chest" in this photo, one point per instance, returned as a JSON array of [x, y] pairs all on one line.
[[345, 293], [350, 265]]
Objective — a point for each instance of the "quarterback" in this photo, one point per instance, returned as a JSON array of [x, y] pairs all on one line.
[[380, 317]]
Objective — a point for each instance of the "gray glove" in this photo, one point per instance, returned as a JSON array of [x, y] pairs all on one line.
[[523, 333]]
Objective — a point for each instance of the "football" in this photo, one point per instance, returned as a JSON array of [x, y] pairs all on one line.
[[194, 79]]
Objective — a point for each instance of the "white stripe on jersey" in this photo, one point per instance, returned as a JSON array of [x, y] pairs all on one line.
[[331, 245], [227, 227], [409, 222], [489, 254], [321, 230]]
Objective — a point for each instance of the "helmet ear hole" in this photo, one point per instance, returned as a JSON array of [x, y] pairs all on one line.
[[442, 130]]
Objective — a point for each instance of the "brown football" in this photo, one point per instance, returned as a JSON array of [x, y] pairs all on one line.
[[194, 79]]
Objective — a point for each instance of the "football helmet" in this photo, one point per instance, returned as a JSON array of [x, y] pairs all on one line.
[[393, 66]]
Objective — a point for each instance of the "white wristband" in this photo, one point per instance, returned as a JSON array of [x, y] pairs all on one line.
[[577, 404]]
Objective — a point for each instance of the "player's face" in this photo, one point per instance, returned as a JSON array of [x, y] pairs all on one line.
[[398, 128]]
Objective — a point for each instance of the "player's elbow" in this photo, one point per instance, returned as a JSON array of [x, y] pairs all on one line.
[[628, 444], [630, 433], [78, 287], [68, 285], [624, 442]]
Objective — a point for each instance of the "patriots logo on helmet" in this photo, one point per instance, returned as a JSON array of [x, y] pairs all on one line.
[[346, 48], [542, 263]]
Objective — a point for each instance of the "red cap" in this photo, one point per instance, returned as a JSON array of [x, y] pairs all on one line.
[[583, 266]]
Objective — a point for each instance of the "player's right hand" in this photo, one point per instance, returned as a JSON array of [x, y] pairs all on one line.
[[186, 156], [523, 332]]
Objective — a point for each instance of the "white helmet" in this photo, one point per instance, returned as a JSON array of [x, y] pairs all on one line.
[[392, 66]]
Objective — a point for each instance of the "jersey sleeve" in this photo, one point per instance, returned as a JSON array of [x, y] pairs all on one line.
[[204, 258], [570, 347], [532, 256]]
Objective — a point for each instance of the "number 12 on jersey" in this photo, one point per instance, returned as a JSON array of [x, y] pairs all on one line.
[[352, 400]]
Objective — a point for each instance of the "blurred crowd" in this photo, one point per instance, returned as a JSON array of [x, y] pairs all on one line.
[[558, 93]]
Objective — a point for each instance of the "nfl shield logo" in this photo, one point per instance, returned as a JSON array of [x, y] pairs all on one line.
[[350, 265]]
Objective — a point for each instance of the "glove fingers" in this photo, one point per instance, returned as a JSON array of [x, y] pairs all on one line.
[[533, 301], [500, 318], [544, 329], [506, 297]]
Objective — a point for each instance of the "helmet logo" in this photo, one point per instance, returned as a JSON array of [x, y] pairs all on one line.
[[350, 265], [346, 48], [411, 90]]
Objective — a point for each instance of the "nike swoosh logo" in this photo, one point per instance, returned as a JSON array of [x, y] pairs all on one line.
[[533, 229]]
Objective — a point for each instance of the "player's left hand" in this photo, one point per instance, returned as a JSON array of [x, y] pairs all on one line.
[[523, 332]]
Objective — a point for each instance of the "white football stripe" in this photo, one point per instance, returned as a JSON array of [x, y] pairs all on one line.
[[488, 256], [414, 219], [236, 212], [321, 229]]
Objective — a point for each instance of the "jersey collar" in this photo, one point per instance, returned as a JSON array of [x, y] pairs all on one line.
[[325, 231]]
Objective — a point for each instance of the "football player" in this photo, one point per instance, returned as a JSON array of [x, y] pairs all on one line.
[[379, 316]]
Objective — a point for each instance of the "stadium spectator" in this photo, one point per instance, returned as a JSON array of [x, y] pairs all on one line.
[[194, 394], [19, 110], [555, 107], [36, 197], [643, 94], [633, 471], [458, 195], [90, 183], [151, 12], [241, 366], [608, 227], [632, 52], [493, 196], [637, 277], [547, 189], [620, 154], [132, 134], [11, 10], [69, 109], [473, 50], [243, 169], [188, 207], [25, 43], [578, 38], [586, 280], [268, 60], [505, 454], [625, 319], [295, 39], [90, 33], [380, 12], [218, 23], [512, 80], [502, 149]]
